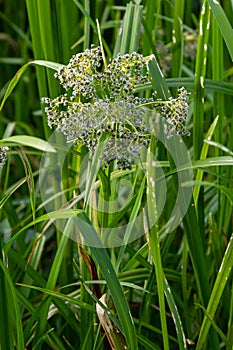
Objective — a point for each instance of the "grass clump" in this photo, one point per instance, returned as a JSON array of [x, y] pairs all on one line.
[[119, 235]]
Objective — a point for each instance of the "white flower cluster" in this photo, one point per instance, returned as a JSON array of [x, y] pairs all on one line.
[[3, 155], [175, 110], [99, 100]]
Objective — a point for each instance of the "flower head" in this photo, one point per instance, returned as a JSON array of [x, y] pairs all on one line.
[[3, 155], [175, 110], [102, 101]]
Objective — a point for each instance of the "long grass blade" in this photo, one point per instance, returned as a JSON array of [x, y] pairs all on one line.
[[128, 37], [203, 155], [52, 279], [159, 83], [200, 73], [102, 259], [177, 38], [223, 23], [29, 141], [130, 225], [15, 311], [175, 315], [220, 282], [154, 241], [210, 85], [20, 72]]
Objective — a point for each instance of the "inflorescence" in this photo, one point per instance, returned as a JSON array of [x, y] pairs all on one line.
[[3, 155], [175, 110], [99, 103]]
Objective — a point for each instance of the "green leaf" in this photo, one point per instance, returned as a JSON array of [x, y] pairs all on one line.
[[175, 316], [20, 72], [228, 192], [134, 212], [223, 23], [151, 224], [30, 181], [203, 155], [218, 145], [102, 259], [54, 215], [177, 38], [199, 80], [219, 285], [30, 141], [214, 161], [128, 37], [14, 307], [218, 330], [159, 83], [58, 295], [210, 85]]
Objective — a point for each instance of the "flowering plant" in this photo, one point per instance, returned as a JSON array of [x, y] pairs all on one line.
[[100, 99]]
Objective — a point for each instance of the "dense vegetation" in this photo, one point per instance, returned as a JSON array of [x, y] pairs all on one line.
[[116, 228]]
